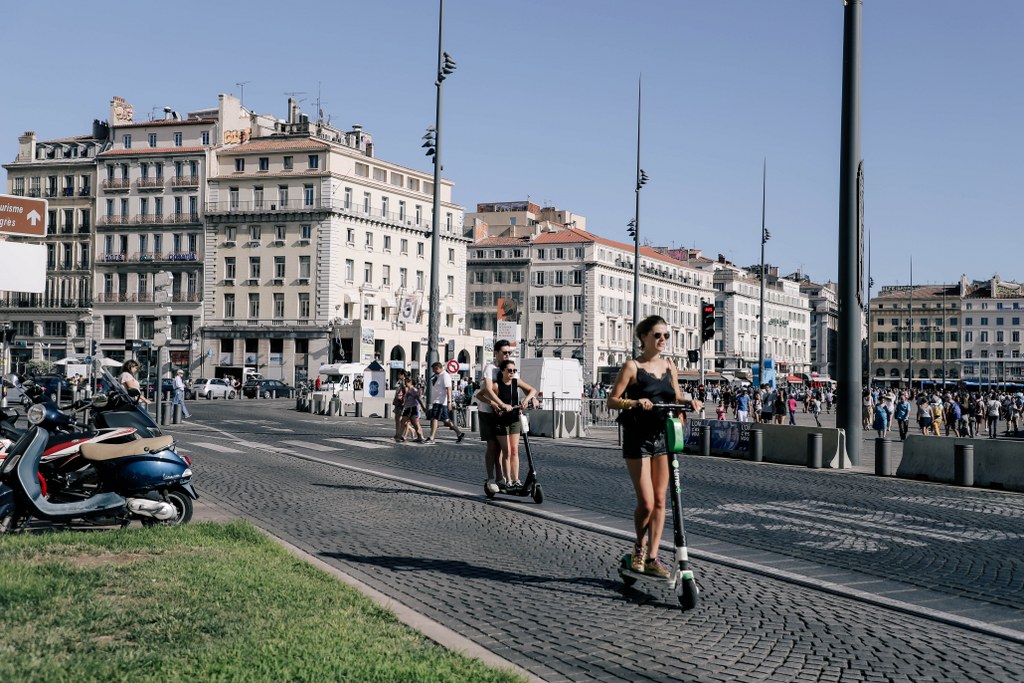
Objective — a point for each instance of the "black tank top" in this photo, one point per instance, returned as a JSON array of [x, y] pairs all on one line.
[[657, 389]]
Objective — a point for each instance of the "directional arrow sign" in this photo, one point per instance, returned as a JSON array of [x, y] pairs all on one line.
[[22, 216]]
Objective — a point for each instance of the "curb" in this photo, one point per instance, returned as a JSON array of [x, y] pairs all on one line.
[[208, 509]]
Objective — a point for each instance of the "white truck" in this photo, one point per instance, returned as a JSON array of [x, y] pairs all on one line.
[[559, 385]]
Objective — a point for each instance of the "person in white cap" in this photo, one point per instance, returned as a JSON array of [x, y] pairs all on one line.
[[179, 394]]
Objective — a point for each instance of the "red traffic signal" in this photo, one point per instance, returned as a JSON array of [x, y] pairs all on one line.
[[707, 322]]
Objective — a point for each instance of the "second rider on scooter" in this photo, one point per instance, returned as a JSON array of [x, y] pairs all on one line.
[[642, 382], [507, 423]]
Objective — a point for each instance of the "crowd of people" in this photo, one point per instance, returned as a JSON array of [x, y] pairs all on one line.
[[959, 413]]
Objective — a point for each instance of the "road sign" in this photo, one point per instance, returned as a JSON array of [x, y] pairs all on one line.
[[453, 367], [22, 215]]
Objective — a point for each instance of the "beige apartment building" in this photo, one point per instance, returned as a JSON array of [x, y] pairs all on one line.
[[574, 289], [319, 252], [286, 242], [56, 323]]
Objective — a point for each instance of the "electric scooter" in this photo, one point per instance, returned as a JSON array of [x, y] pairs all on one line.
[[531, 487], [680, 578]]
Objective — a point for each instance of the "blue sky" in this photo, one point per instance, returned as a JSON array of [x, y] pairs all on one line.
[[543, 105]]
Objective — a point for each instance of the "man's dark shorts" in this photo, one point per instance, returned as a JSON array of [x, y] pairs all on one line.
[[487, 426], [439, 412]]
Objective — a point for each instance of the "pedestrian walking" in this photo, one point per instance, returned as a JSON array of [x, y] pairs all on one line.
[[742, 406], [179, 394], [992, 413], [880, 423], [816, 409], [398, 404], [411, 411], [792, 409], [440, 403], [901, 413]]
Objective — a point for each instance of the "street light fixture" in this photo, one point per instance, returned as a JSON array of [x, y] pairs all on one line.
[[432, 142], [641, 180], [765, 236]]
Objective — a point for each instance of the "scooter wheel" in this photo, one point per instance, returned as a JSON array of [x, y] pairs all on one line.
[[182, 503], [538, 494], [688, 593], [627, 580]]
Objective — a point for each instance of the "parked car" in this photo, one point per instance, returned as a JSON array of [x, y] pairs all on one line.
[[52, 382], [266, 388], [213, 388]]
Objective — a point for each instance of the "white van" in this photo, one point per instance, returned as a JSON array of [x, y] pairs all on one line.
[[553, 377]]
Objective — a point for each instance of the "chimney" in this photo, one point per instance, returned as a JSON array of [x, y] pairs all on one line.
[[27, 146], [167, 113]]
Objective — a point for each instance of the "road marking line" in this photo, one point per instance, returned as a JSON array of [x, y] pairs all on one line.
[[313, 446], [220, 448], [358, 444]]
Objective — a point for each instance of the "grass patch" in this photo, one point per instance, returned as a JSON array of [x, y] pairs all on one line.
[[200, 602]]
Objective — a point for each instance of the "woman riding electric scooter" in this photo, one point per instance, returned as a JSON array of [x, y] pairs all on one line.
[[641, 383]]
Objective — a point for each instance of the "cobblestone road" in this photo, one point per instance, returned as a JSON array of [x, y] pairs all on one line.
[[545, 596]]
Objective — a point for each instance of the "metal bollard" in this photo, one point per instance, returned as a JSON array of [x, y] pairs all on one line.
[[359, 408], [757, 445], [963, 464], [165, 417], [704, 435], [387, 410], [474, 421], [883, 457], [176, 414], [334, 407], [814, 451]]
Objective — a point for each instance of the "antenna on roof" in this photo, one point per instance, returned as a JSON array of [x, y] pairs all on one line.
[[241, 91]]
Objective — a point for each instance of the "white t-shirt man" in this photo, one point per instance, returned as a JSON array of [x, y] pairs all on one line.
[[490, 372], [440, 383]]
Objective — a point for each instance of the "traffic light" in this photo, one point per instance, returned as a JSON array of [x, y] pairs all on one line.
[[94, 347], [693, 356], [707, 322]]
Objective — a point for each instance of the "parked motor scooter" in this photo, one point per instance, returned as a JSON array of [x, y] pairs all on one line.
[[64, 474], [151, 481]]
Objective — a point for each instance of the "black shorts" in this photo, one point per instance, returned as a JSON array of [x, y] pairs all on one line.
[[439, 412], [487, 425], [412, 412], [643, 443]]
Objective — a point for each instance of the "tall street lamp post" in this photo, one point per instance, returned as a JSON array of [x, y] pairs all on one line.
[[850, 235], [634, 225], [445, 66], [765, 236]]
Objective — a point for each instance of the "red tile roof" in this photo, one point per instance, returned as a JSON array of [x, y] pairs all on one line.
[[152, 150], [572, 235]]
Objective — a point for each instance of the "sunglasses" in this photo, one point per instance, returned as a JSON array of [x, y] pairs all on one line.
[[662, 335], [505, 353], [512, 370]]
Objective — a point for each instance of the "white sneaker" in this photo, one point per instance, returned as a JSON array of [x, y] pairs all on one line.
[[491, 486]]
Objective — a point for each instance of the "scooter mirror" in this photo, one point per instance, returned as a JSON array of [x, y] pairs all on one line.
[[11, 380]]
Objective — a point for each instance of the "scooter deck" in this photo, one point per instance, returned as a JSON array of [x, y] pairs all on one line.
[[641, 576]]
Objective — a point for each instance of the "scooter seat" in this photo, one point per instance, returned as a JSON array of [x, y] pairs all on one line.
[[112, 451]]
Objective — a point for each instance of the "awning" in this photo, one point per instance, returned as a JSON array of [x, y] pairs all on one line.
[[793, 379], [349, 299], [385, 302]]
